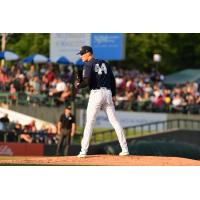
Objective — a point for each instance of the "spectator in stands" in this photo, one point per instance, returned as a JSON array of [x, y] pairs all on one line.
[[44, 87], [141, 83], [143, 101], [120, 82], [31, 73], [158, 104], [12, 71], [41, 135], [157, 91], [19, 82], [13, 95], [177, 102], [59, 88], [64, 95], [147, 88], [5, 118], [28, 132], [52, 134], [43, 70], [4, 80], [17, 130], [167, 99], [31, 127], [49, 76], [190, 103], [35, 83], [156, 76], [129, 84]]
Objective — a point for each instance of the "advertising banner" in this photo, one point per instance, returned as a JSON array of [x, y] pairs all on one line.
[[21, 149], [67, 44], [107, 46]]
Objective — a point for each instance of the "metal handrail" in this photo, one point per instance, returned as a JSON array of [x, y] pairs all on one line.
[[151, 128]]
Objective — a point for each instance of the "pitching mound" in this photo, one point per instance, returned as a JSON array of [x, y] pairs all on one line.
[[100, 160]]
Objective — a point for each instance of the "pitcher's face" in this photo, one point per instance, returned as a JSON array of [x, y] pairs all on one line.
[[85, 57]]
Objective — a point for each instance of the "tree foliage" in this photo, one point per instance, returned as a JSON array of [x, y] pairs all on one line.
[[178, 50], [28, 43]]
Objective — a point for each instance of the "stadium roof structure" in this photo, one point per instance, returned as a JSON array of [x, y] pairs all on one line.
[[188, 75]]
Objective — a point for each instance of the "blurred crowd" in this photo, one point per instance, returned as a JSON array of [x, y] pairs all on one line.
[[29, 133], [136, 91], [36, 84], [147, 92]]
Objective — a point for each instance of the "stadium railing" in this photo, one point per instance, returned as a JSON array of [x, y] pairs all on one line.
[[146, 129]]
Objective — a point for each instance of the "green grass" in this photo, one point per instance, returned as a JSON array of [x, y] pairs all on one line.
[[112, 136], [78, 137], [99, 137], [131, 133]]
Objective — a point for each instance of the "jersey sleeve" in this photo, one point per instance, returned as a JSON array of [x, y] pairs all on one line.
[[113, 83], [87, 70]]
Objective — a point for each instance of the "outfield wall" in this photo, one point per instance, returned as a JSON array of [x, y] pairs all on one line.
[[180, 143], [21, 149], [126, 118]]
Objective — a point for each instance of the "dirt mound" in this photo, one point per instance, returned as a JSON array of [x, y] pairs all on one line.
[[100, 160]]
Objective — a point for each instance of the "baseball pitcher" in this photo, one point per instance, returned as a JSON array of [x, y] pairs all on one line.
[[98, 75]]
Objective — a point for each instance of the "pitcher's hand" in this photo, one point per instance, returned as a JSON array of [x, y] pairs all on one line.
[[114, 99]]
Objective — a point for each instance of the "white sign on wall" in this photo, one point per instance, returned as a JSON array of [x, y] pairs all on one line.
[[67, 44], [126, 118], [23, 119]]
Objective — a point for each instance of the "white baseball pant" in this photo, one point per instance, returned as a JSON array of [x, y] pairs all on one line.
[[101, 99]]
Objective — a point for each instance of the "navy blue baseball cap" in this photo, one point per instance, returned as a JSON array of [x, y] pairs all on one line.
[[85, 49], [68, 107]]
